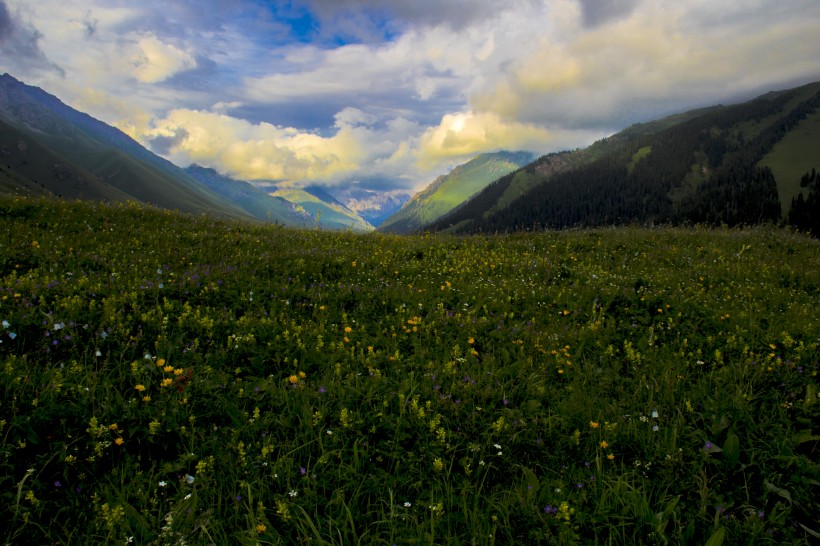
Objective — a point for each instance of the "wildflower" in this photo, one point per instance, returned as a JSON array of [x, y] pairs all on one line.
[[166, 382], [302, 375], [189, 479], [5, 324], [119, 441], [438, 464], [611, 456], [594, 424], [407, 505], [168, 369], [654, 414], [348, 329], [139, 388], [293, 493], [261, 528], [293, 379], [163, 483], [604, 444], [161, 362], [471, 341]]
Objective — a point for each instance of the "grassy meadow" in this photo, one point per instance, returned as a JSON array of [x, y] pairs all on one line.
[[171, 379]]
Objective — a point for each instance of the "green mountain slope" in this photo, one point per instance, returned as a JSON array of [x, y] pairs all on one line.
[[74, 155], [724, 164], [323, 210], [451, 190], [795, 155]]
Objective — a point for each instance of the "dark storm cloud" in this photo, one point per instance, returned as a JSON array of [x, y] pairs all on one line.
[[19, 45], [165, 144], [456, 14], [598, 12]]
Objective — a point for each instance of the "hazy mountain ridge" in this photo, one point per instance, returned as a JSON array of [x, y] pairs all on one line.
[[251, 199], [371, 205], [322, 208]]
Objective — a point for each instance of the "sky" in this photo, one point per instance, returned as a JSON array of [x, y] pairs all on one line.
[[389, 94]]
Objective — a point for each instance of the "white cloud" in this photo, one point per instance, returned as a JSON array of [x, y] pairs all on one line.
[[153, 60]]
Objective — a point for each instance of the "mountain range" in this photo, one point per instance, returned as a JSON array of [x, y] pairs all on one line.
[[724, 165], [49, 148], [739, 164]]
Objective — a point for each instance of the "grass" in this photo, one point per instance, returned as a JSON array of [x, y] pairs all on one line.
[[795, 155], [171, 379]]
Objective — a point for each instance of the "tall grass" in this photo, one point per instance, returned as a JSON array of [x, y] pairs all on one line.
[[171, 379]]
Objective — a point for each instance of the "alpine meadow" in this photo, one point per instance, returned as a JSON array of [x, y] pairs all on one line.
[[179, 379]]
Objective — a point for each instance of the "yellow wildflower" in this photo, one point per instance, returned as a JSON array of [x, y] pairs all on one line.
[[594, 424], [119, 441], [161, 362], [293, 379], [166, 382], [168, 369], [139, 388], [261, 528], [611, 456], [604, 444]]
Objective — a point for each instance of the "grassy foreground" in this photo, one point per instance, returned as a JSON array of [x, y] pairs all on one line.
[[178, 380]]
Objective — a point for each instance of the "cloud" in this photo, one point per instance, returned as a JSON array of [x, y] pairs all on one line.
[[596, 13], [649, 59], [254, 151], [455, 14], [20, 45], [463, 135], [390, 90], [153, 60]]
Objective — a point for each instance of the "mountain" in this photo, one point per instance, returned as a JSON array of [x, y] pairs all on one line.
[[49, 147], [451, 190], [322, 208], [373, 206], [252, 200], [739, 164]]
